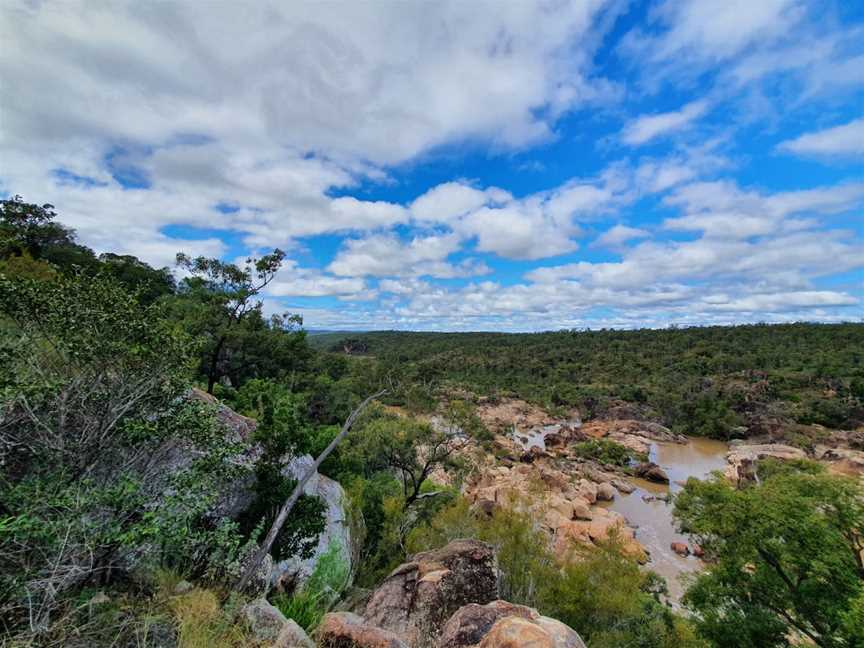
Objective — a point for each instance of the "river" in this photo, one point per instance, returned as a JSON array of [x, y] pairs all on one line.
[[655, 527]]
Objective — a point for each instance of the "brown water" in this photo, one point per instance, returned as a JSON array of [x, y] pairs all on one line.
[[655, 527]]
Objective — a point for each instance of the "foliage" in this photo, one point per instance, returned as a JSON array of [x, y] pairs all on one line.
[[412, 448], [218, 302], [787, 557], [324, 587], [203, 623], [699, 380], [606, 452], [599, 591], [282, 432], [90, 409]]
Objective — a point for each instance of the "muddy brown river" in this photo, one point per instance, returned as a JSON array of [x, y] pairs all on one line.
[[655, 527]]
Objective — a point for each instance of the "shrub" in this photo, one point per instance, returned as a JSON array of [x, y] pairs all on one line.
[[606, 452]]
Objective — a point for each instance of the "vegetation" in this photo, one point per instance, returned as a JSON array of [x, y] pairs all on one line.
[[113, 468], [606, 452], [712, 381], [787, 557], [600, 592]]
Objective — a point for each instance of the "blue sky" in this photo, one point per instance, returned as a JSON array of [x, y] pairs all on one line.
[[460, 166]]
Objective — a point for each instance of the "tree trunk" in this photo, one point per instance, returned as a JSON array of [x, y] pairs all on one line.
[[252, 567]]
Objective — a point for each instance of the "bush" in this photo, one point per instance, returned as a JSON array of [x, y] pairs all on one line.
[[606, 452]]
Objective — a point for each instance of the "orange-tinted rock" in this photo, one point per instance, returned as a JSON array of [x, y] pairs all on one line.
[[347, 630]]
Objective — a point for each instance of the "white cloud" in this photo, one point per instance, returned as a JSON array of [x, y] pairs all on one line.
[[616, 236], [384, 255], [649, 127], [843, 140], [294, 281], [696, 31]]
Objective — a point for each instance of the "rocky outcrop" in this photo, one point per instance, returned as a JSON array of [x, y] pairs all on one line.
[[419, 596], [743, 457], [289, 573], [347, 630], [238, 495], [503, 625], [843, 461], [557, 499]]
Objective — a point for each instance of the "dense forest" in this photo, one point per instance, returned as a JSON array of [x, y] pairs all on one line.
[[133, 403], [719, 381]]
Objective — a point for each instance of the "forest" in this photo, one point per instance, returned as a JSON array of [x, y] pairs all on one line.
[[717, 381], [118, 381]]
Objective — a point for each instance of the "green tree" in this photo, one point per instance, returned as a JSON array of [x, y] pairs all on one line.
[[91, 407], [786, 557], [219, 303]]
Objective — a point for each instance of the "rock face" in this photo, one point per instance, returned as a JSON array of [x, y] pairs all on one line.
[[419, 596], [347, 630], [293, 571], [503, 625]]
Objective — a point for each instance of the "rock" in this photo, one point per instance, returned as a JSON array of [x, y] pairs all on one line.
[[290, 573], [421, 595], [539, 632], [292, 636], [648, 498], [605, 492], [581, 510], [680, 548], [742, 458], [623, 486], [515, 632], [651, 472], [347, 630], [182, 587], [265, 620], [470, 623]]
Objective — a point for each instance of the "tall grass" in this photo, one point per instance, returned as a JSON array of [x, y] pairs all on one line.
[[324, 587]]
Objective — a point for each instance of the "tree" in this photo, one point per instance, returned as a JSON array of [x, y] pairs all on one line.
[[219, 302], [786, 556], [412, 448], [289, 503], [91, 409]]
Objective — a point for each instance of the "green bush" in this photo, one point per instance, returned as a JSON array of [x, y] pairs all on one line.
[[606, 452]]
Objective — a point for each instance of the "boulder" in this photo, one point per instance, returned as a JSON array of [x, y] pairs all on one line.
[[268, 624], [605, 492], [420, 595], [743, 457], [651, 472], [623, 486], [292, 636], [470, 623], [680, 548], [347, 630], [290, 573], [504, 625]]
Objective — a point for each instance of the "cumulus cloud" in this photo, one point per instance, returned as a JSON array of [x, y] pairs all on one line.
[[841, 141], [649, 127], [616, 236], [385, 255]]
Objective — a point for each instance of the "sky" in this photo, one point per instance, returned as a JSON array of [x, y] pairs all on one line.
[[513, 166]]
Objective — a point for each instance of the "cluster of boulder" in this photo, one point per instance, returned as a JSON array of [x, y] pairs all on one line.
[[447, 598], [566, 504]]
